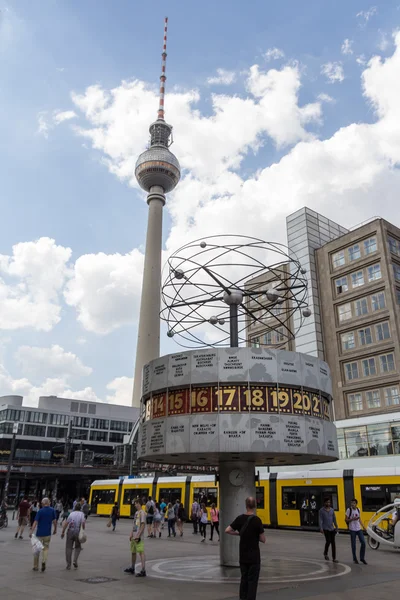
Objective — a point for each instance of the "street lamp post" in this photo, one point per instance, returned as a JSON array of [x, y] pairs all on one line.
[[10, 461]]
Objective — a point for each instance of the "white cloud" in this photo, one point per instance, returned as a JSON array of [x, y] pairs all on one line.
[[60, 69], [223, 77], [384, 42], [61, 116], [50, 362], [31, 280], [333, 72], [365, 15], [361, 60], [122, 388], [347, 46], [274, 54], [326, 98], [105, 290], [43, 124]]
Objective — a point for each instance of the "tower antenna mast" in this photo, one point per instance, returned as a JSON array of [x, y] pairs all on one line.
[[163, 76]]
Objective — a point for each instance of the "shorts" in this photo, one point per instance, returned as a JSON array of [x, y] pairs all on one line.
[[137, 547], [22, 521], [149, 519]]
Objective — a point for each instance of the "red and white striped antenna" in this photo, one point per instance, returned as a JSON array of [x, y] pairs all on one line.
[[163, 76]]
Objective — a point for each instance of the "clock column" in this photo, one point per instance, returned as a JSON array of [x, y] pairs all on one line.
[[236, 483]]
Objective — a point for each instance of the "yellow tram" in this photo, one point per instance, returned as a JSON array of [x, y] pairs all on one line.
[[284, 499]]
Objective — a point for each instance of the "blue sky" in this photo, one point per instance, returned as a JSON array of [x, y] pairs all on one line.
[[67, 160]]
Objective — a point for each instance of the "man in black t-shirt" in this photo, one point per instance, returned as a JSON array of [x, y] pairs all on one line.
[[251, 531]]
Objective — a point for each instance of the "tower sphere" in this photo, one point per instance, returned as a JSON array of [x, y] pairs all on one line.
[[157, 166]]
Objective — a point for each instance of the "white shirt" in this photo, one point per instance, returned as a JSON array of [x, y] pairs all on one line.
[[75, 520], [354, 525]]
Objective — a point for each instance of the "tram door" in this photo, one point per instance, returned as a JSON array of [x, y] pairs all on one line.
[[310, 500]]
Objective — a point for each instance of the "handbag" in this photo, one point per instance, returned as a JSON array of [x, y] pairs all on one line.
[[37, 545], [109, 523], [82, 537]]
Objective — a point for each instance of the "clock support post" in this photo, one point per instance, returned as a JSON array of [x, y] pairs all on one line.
[[236, 483]]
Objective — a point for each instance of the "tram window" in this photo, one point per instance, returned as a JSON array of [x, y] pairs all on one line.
[[131, 494], [373, 497], [289, 500], [260, 497], [103, 497], [170, 494], [207, 495]]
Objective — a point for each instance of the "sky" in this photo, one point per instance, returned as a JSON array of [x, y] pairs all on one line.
[[275, 106]]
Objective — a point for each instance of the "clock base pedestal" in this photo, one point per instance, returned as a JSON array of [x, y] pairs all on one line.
[[236, 483]]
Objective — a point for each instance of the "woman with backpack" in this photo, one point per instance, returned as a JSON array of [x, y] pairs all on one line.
[[203, 522], [158, 516], [181, 518], [214, 520], [171, 520]]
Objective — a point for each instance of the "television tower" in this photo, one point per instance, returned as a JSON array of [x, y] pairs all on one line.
[[158, 172]]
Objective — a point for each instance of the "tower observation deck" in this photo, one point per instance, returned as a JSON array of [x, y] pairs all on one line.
[[157, 172]]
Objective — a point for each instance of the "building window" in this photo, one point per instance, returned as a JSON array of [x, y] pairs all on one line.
[[255, 342], [373, 399], [370, 246], [268, 338], [91, 409], [36, 417], [79, 434], [119, 426], [398, 295], [354, 252], [83, 408], [351, 370], [357, 279], [35, 430], [80, 421], [378, 301], [369, 368], [348, 340], [394, 245], [355, 402], [116, 438], [344, 312], [392, 396], [374, 272], [387, 363], [56, 432], [99, 436], [341, 285], [361, 307], [338, 259], [382, 332], [99, 424], [74, 406], [365, 336], [396, 271], [58, 419]]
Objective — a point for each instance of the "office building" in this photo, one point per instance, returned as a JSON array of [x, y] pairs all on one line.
[[61, 444]]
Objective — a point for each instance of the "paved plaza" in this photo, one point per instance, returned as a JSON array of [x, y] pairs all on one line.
[[292, 568]]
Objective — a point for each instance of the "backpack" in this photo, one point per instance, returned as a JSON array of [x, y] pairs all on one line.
[[151, 509]]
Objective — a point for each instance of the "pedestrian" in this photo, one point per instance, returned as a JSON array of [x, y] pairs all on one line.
[[251, 531], [22, 516], [65, 513], [45, 518], [74, 502], [328, 526], [194, 513], [59, 509], [214, 520], [171, 520], [150, 516], [353, 520], [203, 522], [85, 508], [181, 518], [176, 509], [157, 521], [114, 515], [33, 510], [74, 523], [163, 507], [136, 540]]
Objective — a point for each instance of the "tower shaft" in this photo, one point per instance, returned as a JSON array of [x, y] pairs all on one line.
[[148, 341]]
